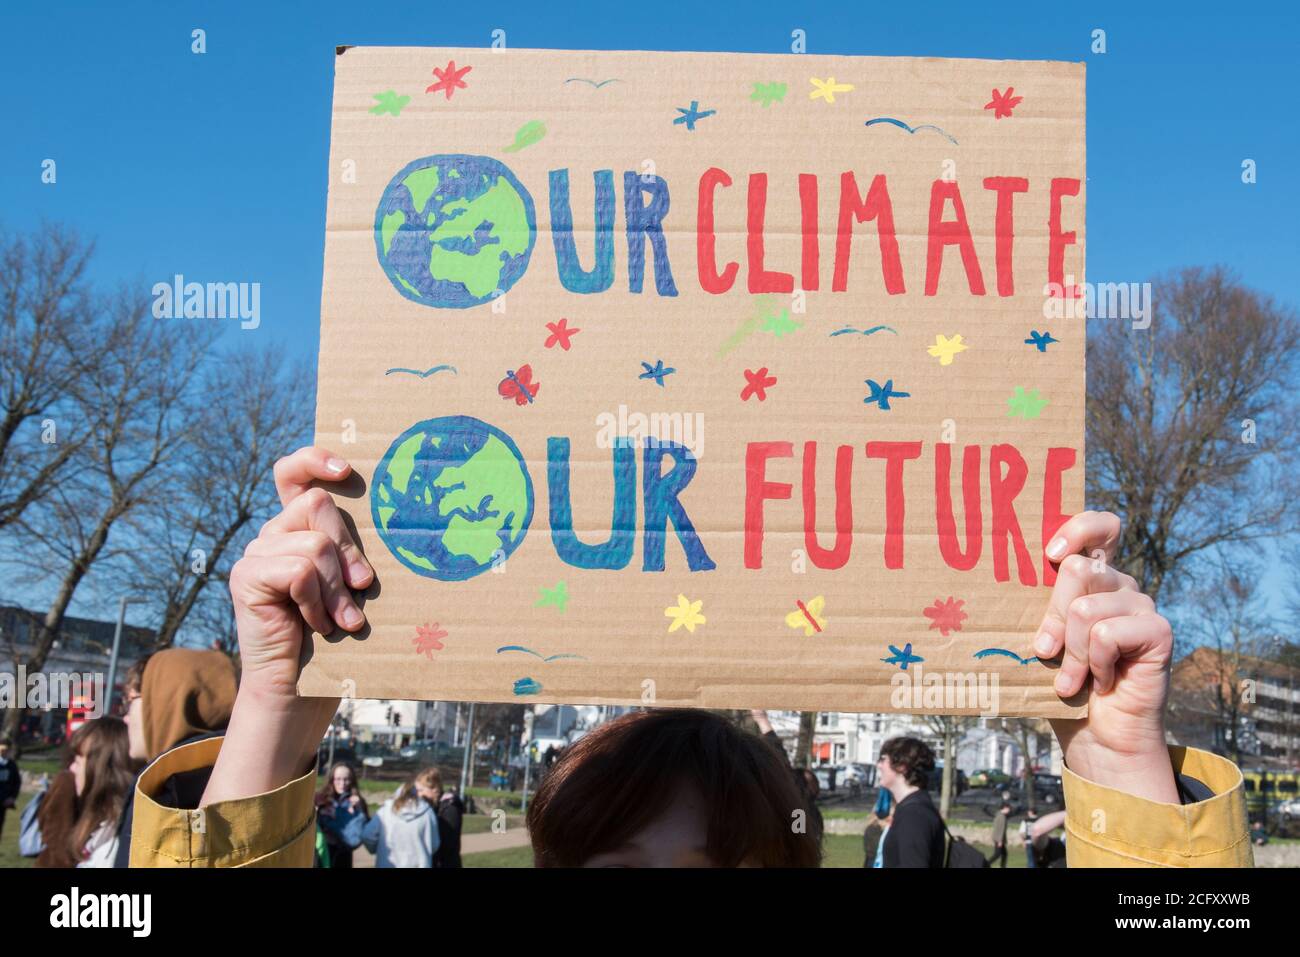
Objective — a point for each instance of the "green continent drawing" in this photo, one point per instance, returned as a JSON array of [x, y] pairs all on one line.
[[454, 231], [452, 497]]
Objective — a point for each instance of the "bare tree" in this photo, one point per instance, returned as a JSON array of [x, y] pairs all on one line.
[[1191, 425], [46, 317], [254, 408], [804, 743], [948, 728], [1029, 734], [133, 394], [1226, 621]]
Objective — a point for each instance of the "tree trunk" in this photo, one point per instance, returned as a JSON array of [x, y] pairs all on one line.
[[803, 746]]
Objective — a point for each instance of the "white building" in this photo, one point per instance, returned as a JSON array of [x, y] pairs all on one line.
[[843, 737]]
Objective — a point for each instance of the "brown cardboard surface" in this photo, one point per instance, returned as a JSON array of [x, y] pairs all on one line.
[[611, 641]]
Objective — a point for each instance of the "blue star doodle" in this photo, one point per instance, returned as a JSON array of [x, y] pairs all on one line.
[[1040, 339], [902, 658], [690, 116], [656, 371], [881, 394]]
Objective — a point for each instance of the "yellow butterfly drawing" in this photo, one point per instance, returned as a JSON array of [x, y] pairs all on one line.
[[809, 616]]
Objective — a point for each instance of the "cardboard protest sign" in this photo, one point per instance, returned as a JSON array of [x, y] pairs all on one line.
[[703, 379]]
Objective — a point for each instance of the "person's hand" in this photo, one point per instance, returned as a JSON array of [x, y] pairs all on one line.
[[354, 799], [760, 718], [1116, 649], [296, 574]]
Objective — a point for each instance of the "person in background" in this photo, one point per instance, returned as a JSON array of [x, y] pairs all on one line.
[[342, 813], [174, 697], [104, 775], [878, 856], [1000, 821], [11, 781], [877, 824], [1048, 850], [1026, 836], [916, 837], [805, 779], [55, 818], [404, 832], [451, 818]]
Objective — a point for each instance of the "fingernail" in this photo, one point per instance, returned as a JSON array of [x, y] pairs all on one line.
[[352, 618], [358, 571], [1061, 684], [335, 465], [1056, 550], [1043, 644]]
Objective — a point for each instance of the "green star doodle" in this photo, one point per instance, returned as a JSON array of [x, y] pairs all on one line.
[[768, 93], [557, 596], [1025, 404], [780, 325], [389, 102]]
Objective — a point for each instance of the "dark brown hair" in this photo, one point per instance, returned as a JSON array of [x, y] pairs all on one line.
[[107, 749], [622, 776], [326, 793], [910, 757]]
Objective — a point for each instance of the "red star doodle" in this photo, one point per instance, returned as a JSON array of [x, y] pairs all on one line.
[[1003, 103], [428, 639], [560, 334], [449, 80], [756, 384], [946, 615]]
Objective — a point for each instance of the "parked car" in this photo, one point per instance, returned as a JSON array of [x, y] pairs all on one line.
[[864, 775], [1048, 789], [935, 782], [990, 778], [828, 778]]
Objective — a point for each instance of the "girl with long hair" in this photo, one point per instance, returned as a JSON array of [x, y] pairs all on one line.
[[342, 813], [102, 769]]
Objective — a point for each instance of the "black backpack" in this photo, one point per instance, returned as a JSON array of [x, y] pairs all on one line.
[[961, 854]]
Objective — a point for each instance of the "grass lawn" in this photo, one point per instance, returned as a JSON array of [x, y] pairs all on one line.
[[9, 856], [510, 857], [482, 823]]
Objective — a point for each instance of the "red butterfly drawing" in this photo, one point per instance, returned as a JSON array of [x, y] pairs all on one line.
[[519, 385]]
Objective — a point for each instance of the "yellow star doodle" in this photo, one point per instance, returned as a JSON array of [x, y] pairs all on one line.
[[945, 348], [827, 88], [685, 614]]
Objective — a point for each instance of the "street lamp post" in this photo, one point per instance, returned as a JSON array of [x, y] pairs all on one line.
[[469, 744], [112, 660]]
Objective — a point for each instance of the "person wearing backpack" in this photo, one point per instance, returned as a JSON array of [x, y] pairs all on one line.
[[1000, 820], [916, 837], [11, 781]]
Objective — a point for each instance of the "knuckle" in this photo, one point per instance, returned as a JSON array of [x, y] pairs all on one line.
[[316, 499], [1076, 566], [1080, 609]]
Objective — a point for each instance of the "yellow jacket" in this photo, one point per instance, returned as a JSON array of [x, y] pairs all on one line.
[[1105, 827]]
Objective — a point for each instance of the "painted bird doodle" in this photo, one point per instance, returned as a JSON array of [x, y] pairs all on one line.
[[809, 616], [519, 385]]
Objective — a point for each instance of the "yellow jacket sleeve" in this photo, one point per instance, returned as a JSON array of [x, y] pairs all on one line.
[[276, 829], [1108, 828]]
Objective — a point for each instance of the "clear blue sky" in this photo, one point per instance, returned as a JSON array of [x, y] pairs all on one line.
[[214, 166]]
